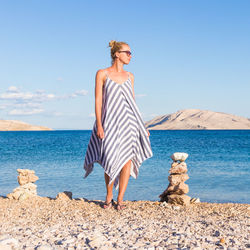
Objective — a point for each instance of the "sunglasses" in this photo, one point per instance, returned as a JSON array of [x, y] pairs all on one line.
[[127, 52]]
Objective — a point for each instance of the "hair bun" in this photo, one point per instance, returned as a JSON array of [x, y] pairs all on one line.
[[112, 43]]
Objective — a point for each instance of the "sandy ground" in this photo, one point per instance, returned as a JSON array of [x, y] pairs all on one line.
[[45, 223]]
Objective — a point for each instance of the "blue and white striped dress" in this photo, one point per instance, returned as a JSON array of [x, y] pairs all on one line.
[[125, 135]]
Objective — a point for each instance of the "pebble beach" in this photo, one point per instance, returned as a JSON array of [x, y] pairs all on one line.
[[48, 223]]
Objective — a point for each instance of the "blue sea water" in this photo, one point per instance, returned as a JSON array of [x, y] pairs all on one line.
[[218, 164]]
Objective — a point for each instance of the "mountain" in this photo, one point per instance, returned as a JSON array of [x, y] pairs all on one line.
[[12, 125], [198, 119]]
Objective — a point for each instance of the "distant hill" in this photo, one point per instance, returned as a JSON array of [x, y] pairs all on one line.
[[12, 125], [198, 119]]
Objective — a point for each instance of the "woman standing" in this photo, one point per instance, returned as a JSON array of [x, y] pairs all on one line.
[[119, 140]]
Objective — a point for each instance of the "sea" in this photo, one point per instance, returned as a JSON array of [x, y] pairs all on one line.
[[218, 164]]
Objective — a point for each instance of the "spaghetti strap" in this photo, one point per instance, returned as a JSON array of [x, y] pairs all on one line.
[[106, 73]]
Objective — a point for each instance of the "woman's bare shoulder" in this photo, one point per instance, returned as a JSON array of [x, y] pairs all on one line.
[[102, 75], [101, 72], [131, 74]]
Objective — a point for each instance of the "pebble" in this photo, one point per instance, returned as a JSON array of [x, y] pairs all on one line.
[[44, 247], [46, 224], [7, 241], [176, 208]]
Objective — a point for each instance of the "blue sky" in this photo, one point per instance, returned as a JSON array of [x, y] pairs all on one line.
[[186, 54]]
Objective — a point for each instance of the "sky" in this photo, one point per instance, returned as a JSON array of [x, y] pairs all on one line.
[[189, 54]]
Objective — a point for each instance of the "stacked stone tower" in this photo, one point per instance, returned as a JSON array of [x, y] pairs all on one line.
[[177, 189], [27, 188]]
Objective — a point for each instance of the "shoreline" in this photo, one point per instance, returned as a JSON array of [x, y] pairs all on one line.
[[83, 224]]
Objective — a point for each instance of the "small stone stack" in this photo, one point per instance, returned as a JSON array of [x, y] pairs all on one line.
[[177, 189], [27, 188]]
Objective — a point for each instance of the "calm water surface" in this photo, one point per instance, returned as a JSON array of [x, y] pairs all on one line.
[[218, 164]]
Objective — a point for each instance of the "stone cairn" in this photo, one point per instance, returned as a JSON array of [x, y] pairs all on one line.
[[177, 189], [27, 188]]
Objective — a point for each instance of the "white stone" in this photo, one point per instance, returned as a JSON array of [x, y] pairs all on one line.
[[176, 208], [96, 242], [44, 247], [9, 242], [69, 241], [179, 156], [5, 247]]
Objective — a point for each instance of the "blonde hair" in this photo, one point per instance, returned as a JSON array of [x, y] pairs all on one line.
[[115, 47]]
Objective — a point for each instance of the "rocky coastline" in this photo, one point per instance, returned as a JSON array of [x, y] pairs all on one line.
[[65, 223], [177, 221]]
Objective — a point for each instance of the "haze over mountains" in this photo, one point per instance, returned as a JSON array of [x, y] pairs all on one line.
[[13, 125], [198, 119]]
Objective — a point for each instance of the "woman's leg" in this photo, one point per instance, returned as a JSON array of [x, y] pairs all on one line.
[[123, 181], [109, 188]]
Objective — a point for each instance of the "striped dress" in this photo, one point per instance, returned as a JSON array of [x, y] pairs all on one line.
[[125, 135]]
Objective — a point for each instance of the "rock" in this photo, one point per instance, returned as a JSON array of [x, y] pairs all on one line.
[[222, 241], [44, 247], [14, 195], [179, 199], [179, 156], [27, 187], [69, 241], [25, 171], [164, 204], [181, 188], [26, 179], [180, 168], [23, 192], [176, 208], [26, 176], [8, 243], [216, 233], [174, 164], [5, 247], [66, 195], [24, 196], [96, 241], [175, 179]]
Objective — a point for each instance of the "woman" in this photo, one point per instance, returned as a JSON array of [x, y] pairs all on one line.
[[119, 140]]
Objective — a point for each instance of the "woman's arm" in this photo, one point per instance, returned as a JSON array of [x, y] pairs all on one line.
[[99, 80]]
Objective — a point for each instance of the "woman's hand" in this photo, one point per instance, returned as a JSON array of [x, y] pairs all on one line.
[[100, 132], [148, 132]]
